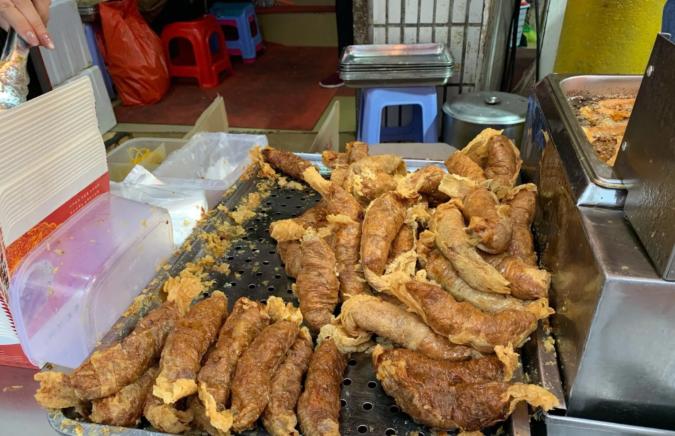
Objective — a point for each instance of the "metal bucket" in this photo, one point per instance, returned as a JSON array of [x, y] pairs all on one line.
[[467, 115]]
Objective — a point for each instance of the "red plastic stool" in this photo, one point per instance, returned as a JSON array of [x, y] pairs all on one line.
[[198, 50]]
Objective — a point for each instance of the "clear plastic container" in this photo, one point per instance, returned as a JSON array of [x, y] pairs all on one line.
[[70, 290], [121, 159]]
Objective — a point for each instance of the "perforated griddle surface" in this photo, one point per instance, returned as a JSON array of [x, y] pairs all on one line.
[[256, 272]]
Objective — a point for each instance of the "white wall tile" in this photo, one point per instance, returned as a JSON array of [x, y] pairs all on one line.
[[411, 11], [456, 47], [393, 35], [459, 11], [442, 11], [410, 35], [379, 14], [379, 35], [476, 11], [471, 55], [441, 34], [427, 11], [425, 35], [394, 8]]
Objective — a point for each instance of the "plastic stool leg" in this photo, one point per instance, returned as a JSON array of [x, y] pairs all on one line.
[[371, 120], [429, 119]]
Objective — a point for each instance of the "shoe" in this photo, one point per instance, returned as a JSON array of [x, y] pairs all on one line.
[[332, 81]]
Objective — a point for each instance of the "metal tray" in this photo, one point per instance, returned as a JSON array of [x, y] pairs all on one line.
[[257, 272], [565, 87], [397, 54]]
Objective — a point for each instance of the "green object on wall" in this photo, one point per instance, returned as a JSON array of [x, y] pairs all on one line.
[[608, 36]]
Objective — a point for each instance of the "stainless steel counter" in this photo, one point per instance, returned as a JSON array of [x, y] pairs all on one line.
[[19, 413]]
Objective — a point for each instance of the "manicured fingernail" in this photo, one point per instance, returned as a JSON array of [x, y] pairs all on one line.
[[32, 39], [48, 41]]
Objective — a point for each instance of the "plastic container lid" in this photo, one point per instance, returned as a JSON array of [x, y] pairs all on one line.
[[488, 108], [73, 287]]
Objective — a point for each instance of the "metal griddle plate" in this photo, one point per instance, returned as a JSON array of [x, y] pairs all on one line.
[[257, 273]]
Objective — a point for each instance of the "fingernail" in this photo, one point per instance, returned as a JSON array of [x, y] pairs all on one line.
[[48, 41], [32, 39]]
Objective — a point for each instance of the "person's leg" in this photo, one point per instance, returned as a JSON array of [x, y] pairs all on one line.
[[345, 24], [668, 23], [345, 36]]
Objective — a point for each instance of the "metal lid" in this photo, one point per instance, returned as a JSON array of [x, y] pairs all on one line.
[[488, 107]]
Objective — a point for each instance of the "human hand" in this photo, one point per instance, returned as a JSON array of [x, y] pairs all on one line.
[[29, 19]]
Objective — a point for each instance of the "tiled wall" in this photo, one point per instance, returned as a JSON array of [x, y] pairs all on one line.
[[457, 23]]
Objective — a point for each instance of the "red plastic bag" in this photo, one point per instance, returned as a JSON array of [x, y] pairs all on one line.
[[133, 53]]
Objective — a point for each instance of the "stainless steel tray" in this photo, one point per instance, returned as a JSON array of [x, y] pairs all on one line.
[[598, 85], [397, 54], [258, 273]]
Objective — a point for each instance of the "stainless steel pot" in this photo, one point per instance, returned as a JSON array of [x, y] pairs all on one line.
[[468, 114]]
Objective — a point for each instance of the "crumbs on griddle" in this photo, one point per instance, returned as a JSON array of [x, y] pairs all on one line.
[[283, 182]]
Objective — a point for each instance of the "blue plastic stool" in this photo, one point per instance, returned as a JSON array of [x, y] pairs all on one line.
[[97, 59], [239, 18], [422, 128]]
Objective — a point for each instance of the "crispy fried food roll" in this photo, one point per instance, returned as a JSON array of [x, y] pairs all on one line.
[[463, 323], [186, 345], [289, 250], [126, 406], [441, 271], [347, 243], [423, 181], [523, 202], [481, 370], [462, 165], [477, 148], [166, 417], [448, 225], [384, 218], [319, 404], [285, 161], [372, 176], [356, 150], [317, 284], [199, 419], [291, 256], [527, 282], [332, 159], [252, 381], [292, 229], [441, 399], [279, 418], [488, 220], [108, 370], [247, 320], [55, 391], [373, 315], [503, 163], [404, 241]]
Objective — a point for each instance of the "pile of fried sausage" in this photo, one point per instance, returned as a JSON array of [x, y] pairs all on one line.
[[437, 265]]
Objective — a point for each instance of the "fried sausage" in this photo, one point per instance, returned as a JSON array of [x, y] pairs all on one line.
[[126, 406], [439, 395], [108, 370], [247, 320], [252, 381], [319, 404], [286, 162], [488, 220], [279, 418], [317, 284], [381, 224], [394, 322], [463, 323], [185, 347], [462, 165]]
